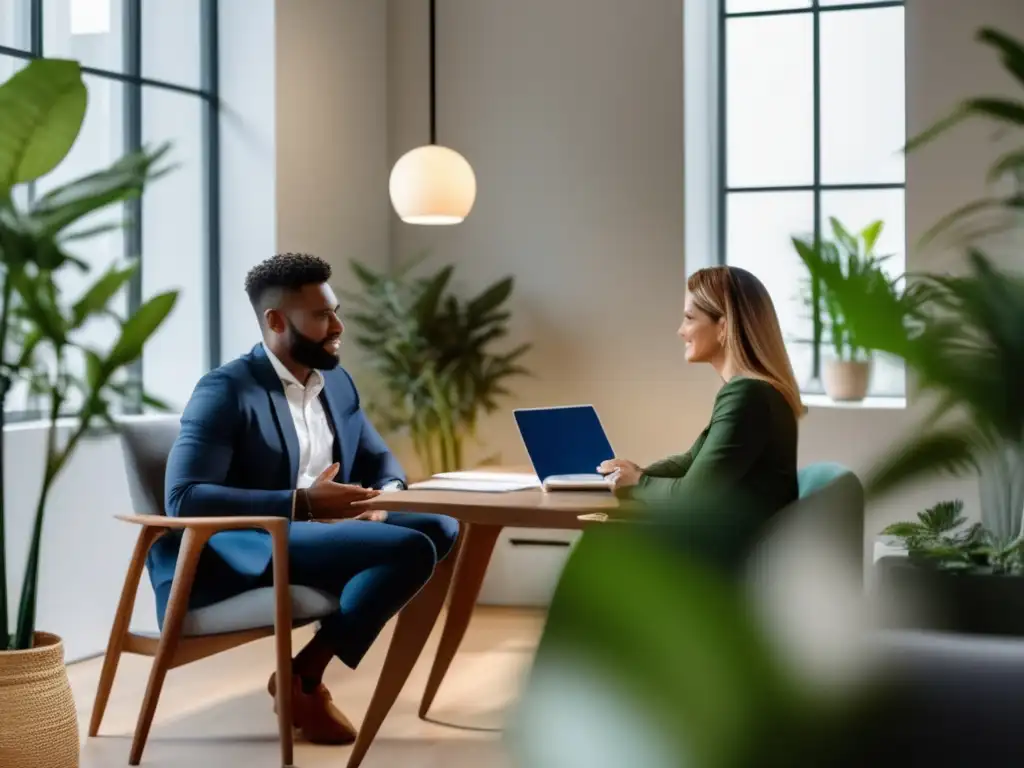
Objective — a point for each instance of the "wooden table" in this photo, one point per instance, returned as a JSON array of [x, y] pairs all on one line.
[[483, 515]]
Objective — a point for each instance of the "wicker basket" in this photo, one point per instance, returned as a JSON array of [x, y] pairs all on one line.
[[38, 722]]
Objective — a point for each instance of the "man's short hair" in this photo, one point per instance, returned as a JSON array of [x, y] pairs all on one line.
[[269, 280]]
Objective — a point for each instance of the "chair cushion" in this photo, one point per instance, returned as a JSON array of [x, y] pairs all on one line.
[[255, 608]]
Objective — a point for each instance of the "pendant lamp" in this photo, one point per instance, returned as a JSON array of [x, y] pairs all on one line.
[[432, 184]]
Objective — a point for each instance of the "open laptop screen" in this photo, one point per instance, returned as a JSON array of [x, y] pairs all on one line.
[[565, 440]]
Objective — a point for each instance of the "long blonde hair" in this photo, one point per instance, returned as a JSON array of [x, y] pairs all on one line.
[[753, 335]]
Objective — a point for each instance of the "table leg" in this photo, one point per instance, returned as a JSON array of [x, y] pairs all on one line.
[[474, 557], [412, 630]]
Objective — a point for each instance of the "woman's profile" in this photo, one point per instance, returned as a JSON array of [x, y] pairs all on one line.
[[750, 442]]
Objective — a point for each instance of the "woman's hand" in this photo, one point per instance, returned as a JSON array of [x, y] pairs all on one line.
[[624, 473]]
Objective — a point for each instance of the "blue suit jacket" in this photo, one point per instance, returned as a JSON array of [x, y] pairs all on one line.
[[237, 454]]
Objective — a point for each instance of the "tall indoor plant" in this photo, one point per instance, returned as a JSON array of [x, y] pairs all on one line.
[[42, 108], [962, 339], [433, 356]]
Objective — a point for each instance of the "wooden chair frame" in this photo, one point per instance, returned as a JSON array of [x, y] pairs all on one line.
[[415, 623]]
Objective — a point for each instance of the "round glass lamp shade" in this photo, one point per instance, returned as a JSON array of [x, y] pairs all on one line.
[[432, 185]]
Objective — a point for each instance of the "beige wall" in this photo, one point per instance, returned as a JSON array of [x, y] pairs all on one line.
[[332, 155], [571, 112]]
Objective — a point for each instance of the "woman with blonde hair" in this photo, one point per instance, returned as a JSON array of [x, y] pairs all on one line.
[[750, 443]]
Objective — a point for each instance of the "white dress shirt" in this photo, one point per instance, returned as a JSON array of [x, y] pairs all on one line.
[[316, 440]]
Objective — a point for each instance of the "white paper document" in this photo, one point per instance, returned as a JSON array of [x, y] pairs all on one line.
[[523, 478], [478, 482]]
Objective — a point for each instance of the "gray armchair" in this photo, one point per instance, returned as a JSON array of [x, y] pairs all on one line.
[[190, 635]]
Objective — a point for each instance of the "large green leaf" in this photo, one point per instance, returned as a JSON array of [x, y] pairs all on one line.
[[1011, 50], [41, 112], [139, 327], [951, 450], [124, 180], [95, 300], [37, 305], [428, 302], [490, 299]]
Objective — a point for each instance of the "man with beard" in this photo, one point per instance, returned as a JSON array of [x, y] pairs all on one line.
[[280, 432]]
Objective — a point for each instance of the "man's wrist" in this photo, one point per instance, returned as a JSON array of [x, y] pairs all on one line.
[[302, 508]]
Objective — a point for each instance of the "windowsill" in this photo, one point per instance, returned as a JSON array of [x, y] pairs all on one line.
[[98, 427], [867, 404]]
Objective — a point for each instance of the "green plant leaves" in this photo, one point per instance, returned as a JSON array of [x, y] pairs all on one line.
[[1011, 50], [96, 299], [139, 327], [492, 298], [433, 355], [950, 450], [124, 180], [41, 112]]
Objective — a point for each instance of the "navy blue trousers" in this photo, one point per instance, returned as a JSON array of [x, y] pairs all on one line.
[[374, 569]]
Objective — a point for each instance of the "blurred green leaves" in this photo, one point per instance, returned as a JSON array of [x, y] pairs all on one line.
[[433, 355], [1004, 114]]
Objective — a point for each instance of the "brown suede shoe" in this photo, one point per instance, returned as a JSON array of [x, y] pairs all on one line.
[[315, 714]]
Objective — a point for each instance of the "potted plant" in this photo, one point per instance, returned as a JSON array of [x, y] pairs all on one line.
[[41, 112], [964, 578], [851, 257], [431, 353]]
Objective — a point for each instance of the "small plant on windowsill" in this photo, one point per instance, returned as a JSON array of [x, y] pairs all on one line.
[[847, 373]]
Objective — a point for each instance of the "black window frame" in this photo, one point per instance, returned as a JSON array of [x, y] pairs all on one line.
[[816, 187], [134, 81]]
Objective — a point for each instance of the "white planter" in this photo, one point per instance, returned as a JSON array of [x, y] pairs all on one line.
[[847, 381]]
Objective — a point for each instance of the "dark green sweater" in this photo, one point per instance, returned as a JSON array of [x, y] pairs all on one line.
[[749, 447]]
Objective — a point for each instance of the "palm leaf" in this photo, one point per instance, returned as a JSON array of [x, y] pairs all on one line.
[[1011, 50], [1011, 162], [952, 450]]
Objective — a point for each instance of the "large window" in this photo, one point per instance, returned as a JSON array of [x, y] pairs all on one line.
[[151, 74], [812, 118]]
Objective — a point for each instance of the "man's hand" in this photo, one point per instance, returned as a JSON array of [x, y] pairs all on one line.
[[373, 515], [328, 499]]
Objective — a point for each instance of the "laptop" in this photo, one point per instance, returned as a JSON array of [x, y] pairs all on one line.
[[566, 444]]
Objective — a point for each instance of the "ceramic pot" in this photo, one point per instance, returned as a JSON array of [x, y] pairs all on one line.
[[847, 380]]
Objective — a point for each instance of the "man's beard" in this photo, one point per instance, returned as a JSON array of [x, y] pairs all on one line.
[[310, 352]]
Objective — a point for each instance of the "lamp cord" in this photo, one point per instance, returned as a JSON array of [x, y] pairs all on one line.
[[433, 73]]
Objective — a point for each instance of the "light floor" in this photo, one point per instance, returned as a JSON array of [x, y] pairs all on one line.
[[216, 712]]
